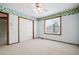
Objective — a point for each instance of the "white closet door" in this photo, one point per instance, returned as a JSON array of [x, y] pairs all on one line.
[[25, 27]]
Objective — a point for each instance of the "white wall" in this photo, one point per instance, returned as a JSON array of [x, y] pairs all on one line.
[[13, 29], [26, 30], [35, 28], [70, 30], [78, 28]]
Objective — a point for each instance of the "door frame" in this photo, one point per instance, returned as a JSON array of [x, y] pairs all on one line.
[[19, 28], [7, 19]]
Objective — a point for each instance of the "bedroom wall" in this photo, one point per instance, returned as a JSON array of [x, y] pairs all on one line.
[[78, 28], [35, 28], [70, 30], [13, 29]]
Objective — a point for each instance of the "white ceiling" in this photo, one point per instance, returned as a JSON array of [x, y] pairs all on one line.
[[50, 8]]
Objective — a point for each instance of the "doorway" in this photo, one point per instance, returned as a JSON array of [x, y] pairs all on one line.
[[4, 28]]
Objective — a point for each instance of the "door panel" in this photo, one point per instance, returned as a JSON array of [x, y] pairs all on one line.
[[25, 28]]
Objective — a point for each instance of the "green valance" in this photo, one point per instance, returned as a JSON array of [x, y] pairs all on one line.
[[13, 12]]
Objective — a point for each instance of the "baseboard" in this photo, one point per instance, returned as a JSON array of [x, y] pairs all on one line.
[[13, 43], [36, 37], [58, 41]]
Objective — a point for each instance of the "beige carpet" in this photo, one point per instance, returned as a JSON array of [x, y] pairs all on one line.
[[39, 47]]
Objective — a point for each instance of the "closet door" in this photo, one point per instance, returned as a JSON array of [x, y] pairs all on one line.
[[25, 29]]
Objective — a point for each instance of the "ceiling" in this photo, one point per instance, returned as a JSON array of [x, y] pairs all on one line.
[[50, 8]]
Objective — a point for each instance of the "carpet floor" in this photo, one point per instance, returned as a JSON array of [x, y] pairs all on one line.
[[39, 47]]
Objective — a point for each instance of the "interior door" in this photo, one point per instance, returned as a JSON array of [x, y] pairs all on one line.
[[4, 35], [25, 29], [3, 31]]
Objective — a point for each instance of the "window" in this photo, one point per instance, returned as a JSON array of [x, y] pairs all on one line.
[[53, 26]]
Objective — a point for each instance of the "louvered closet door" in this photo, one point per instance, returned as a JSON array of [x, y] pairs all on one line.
[[25, 29]]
